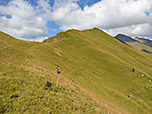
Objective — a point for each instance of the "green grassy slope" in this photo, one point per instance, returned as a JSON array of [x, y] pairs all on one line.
[[23, 74], [96, 75]]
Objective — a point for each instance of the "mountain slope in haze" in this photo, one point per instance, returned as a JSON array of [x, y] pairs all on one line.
[[96, 75], [124, 38], [144, 41], [139, 43]]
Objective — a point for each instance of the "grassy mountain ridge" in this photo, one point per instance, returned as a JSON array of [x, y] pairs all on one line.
[[22, 79], [94, 65]]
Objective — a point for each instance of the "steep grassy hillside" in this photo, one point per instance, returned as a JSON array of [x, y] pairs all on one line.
[[96, 75], [23, 74]]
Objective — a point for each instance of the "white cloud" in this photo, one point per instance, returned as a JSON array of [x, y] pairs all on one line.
[[133, 17], [110, 15], [142, 30], [24, 21], [38, 39], [53, 30], [150, 19]]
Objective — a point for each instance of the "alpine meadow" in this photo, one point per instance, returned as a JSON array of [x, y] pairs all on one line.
[[99, 75]]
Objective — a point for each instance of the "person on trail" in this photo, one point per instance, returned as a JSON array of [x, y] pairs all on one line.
[[58, 69], [58, 72]]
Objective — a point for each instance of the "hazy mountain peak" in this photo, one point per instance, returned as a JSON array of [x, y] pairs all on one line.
[[124, 38]]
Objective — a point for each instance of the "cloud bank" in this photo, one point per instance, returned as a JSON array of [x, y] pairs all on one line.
[[133, 17], [22, 19]]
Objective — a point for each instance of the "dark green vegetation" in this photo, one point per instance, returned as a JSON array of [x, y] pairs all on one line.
[[96, 75]]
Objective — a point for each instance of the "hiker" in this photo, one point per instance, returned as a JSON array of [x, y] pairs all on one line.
[[58, 69], [58, 72]]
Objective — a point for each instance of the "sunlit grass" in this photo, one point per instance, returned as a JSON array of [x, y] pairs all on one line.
[[96, 75]]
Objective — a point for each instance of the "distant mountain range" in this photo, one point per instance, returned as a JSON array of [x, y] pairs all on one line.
[[139, 43], [144, 41], [125, 38]]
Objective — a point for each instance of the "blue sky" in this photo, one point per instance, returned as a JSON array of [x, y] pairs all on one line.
[[39, 19]]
